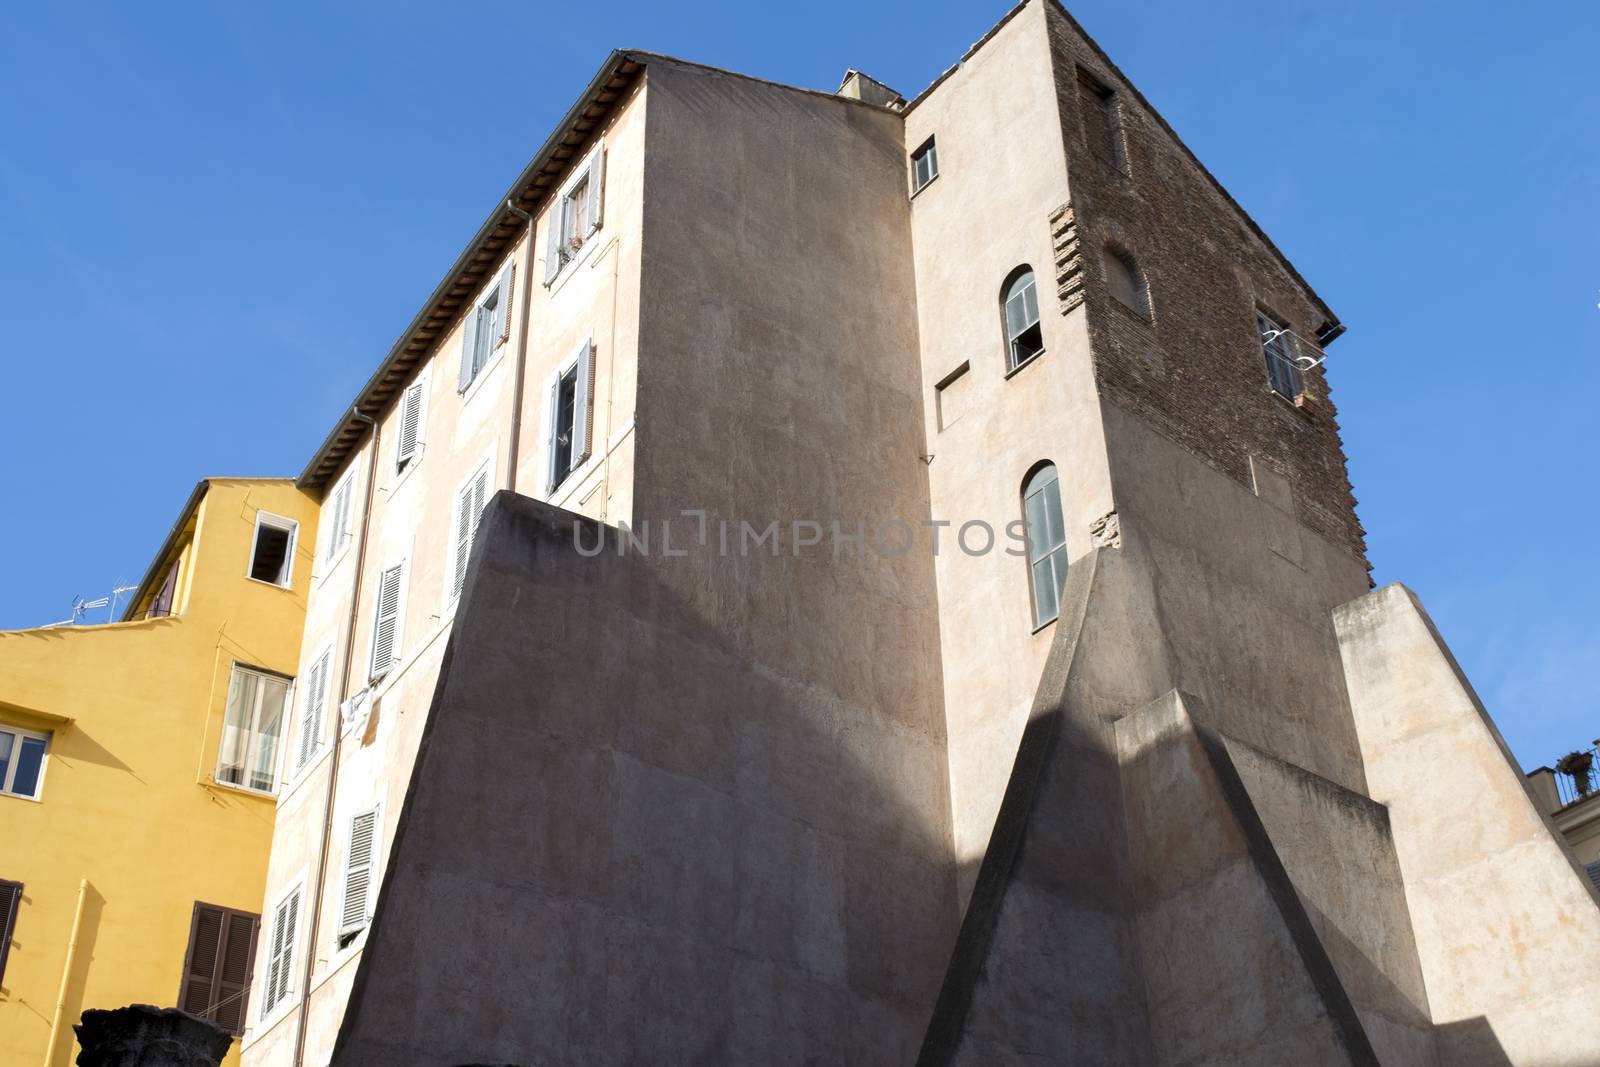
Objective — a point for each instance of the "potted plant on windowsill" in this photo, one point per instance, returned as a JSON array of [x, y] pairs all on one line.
[[567, 251], [1575, 765]]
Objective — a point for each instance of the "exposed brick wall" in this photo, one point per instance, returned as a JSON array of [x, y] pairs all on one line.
[[1196, 370]]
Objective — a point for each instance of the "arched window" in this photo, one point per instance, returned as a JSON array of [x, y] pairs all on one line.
[[1019, 306], [1047, 541], [1126, 283]]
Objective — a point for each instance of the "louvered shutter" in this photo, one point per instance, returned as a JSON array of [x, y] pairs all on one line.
[[458, 573], [280, 963], [339, 512], [205, 938], [502, 305], [552, 476], [359, 862], [410, 425], [386, 624], [583, 404], [552, 241], [597, 166], [234, 970], [469, 345], [311, 714], [10, 902]]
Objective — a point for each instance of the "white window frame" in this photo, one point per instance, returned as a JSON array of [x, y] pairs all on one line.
[[405, 463], [1051, 554], [337, 536], [274, 1008], [277, 522], [353, 931], [593, 170], [928, 150], [374, 675], [9, 778], [255, 728], [581, 363], [492, 312], [1013, 360], [486, 469]]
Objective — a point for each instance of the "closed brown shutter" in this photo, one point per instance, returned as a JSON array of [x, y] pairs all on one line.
[[216, 972], [10, 900]]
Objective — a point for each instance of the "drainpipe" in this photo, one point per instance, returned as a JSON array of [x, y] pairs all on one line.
[[338, 735], [522, 349], [66, 975]]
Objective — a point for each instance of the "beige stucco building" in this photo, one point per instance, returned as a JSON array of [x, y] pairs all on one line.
[[739, 767]]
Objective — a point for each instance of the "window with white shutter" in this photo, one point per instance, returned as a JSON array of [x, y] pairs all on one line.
[[280, 959], [571, 416], [575, 216], [386, 621], [216, 970], [470, 500], [313, 704], [487, 326], [409, 446], [361, 857], [336, 517]]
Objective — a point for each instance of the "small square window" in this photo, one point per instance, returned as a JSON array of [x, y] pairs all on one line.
[[22, 754], [272, 554], [924, 165]]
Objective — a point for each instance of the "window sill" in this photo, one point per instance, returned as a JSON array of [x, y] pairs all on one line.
[[496, 357], [1025, 364], [918, 190], [244, 790], [19, 796], [332, 563], [274, 585], [570, 267], [404, 475], [1044, 625], [1301, 403]]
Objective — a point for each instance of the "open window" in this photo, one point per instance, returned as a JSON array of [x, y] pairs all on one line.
[[247, 756], [485, 329], [1047, 541], [575, 215], [1019, 311], [272, 550], [570, 420], [1283, 372]]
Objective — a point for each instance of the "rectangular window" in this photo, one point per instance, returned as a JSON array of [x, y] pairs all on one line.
[[924, 165], [409, 447], [248, 754], [336, 514], [361, 857], [22, 754], [571, 415], [280, 959], [312, 705], [217, 968], [1283, 372], [470, 499], [486, 327], [575, 215], [1102, 123], [161, 606], [386, 622], [10, 902], [272, 552]]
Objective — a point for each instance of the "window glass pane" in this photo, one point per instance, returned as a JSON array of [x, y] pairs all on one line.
[[1058, 561], [233, 749], [566, 411], [29, 760], [1045, 605], [274, 692], [1016, 317], [1030, 301], [1052, 511], [6, 743], [1038, 526]]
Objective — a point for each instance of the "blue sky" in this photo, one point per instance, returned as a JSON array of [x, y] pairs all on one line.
[[215, 219]]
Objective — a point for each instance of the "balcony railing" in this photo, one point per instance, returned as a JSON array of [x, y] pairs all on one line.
[[1571, 788]]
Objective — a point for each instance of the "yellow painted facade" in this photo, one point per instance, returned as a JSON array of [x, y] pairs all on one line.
[[132, 824]]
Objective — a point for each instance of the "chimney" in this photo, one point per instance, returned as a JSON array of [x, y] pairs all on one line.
[[858, 86]]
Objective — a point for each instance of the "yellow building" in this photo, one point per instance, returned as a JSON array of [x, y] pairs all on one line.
[[138, 766]]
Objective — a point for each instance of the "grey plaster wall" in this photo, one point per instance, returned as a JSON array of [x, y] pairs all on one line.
[[626, 842], [1506, 921], [1241, 594]]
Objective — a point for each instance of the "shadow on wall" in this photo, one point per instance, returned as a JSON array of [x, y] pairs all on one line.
[[653, 850], [1477, 1035]]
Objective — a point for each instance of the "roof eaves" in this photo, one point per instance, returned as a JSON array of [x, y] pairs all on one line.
[[470, 268], [156, 568]]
